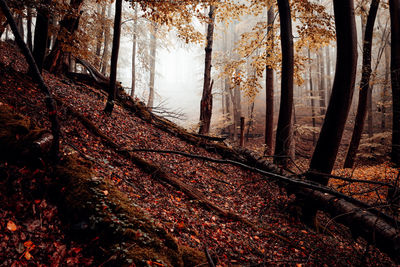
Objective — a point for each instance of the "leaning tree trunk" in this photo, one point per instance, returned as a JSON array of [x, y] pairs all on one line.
[[50, 105], [41, 36], [206, 100], [59, 59], [364, 86], [325, 152], [395, 75], [153, 51], [282, 141], [269, 88], [114, 58]]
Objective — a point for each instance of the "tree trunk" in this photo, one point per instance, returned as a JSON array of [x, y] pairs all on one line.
[[133, 84], [282, 143], [153, 52], [394, 6], [325, 152], [114, 58], [269, 89], [99, 37], [29, 27], [206, 100], [41, 36], [385, 87], [106, 48], [328, 72], [312, 98], [58, 60], [322, 85], [365, 92]]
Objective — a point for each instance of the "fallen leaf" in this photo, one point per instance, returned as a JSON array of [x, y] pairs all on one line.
[[11, 226]]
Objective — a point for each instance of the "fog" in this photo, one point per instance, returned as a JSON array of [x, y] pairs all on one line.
[[178, 79]]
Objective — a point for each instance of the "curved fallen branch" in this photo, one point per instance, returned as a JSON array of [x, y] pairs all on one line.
[[158, 173]]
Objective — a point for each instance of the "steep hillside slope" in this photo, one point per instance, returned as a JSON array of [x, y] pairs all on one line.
[[240, 218]]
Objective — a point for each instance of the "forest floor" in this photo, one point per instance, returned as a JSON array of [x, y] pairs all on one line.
[[31, 232]]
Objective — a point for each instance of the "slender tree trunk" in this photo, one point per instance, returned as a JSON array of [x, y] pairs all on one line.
[[322, 85], [325, 152], [385, 87], [29, 27], [365, 88], [312, 98], [99, 38], [153, 52], [206, 100], [133, 84], [114, 58], [282, 143], [20, 25], [269, 89], [58, 59], [328, 72], [106, 49], [394, 6], [41, 36]]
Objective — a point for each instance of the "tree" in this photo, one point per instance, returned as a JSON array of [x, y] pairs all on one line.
[[325, 152], [153, 51], [269, 88], [114, 58], [58, 60], [206, 100], [364, 92], [394, 6], [134, 41], [41, 35], [282, 143]]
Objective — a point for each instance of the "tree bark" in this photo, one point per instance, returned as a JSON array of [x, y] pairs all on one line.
[[114, 58], [29, 27], [322, 85], [100, 33], [283, 142], [394, 6], [385, 89], [206, 100], [325, 152], [269, 88], [41, 36], [133, 84], [153, 54], [106, 48], [364, 92], [312, 98]]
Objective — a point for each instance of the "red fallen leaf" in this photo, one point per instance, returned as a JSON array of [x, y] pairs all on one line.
[[181, 225], [37, 201], [76, 250], [11, 226], [29, 244], [28, 255]]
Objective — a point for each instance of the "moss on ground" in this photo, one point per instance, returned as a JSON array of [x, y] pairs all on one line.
[[93, 208]]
